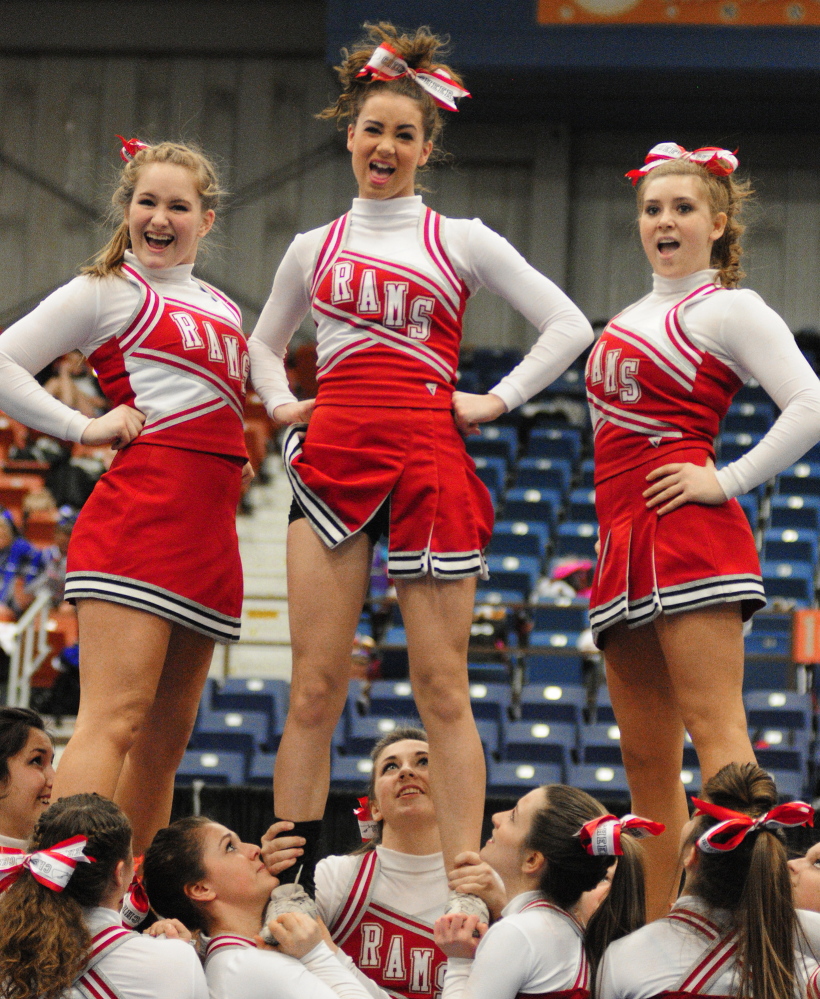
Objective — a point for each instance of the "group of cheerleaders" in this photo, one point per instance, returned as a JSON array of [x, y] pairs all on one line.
[[381, 451]]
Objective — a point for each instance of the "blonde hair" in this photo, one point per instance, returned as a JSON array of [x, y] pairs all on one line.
[[420, 50], [725, 194], [109, 260]]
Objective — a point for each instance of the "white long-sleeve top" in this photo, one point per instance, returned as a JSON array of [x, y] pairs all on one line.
[[533, 952], [248, 973], [388, 230], [144, 967], [657, 956], [737, 327]]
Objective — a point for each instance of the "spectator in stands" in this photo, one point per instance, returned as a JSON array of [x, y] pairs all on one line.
[[26, 774], [734, 931], [200, 873], [153, 562], [74, 385], [20, 564], [382, 452], [569, 578], [60, 919], [52, 572], [553, 847]]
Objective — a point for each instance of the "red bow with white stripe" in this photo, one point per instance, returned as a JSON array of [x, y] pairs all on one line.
[[135, 904], [130, 148], [733, 828], [368, 826], [387, 64], [601, 837], [52, 867], [717, 161]]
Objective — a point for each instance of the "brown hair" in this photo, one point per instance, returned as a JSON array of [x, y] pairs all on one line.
[[44, 941], [725, 194], [570, 871], [109, 260], [752, 882], [15, 726], [420, 50], [172, 862]]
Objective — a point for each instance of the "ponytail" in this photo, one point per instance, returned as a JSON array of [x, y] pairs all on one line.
[[623, 910]]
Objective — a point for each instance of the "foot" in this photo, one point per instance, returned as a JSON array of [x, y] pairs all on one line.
[[286, 898], [467, 905]]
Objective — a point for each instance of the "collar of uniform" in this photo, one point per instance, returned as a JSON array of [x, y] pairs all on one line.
[[15, 844], [98, 918], [397, 210], [677, 286], [720, 916], [410, 862], [517, 904], [166, 275]]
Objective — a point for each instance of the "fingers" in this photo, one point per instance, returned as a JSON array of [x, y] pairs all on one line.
[[278, 827], [662, 470], [248, 474], [469, 857]]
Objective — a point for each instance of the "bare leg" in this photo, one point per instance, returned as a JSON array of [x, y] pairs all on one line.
[[652, 749], [122, 652], [437, 616], [145, 789], [326, 592], [704, 653]]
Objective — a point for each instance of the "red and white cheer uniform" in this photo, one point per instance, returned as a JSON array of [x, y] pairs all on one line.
[[690, 952], [173, 348], [659, 381], [387, 285], [380, 907], [535, 951]]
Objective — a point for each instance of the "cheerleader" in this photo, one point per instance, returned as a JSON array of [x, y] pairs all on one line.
[[26, 774], [805, 875], [556, 844], [387, 284], [200, 873], [734, 931], [59, 914], [381, 902], [152, 599]]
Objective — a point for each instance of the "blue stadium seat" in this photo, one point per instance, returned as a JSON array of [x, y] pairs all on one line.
[[538, 742], [363, 732], [223, 767], [523, 528], [532, 505], [789, 580], [730, 447], [581, 505], [749, 418], [778, 709], [489, 594], [544, 473], [558, 640], [561, 616], [490, 700], [488, 673], [350, 773], [601, 781], [600, 744], [768, 643], [752, 391], [492, 472], [553, 702], [392, 697], [571, 382], [519, 541], [790, 544], [750, 506], [512, 780], [553, 443], [603, 706], [544, 668], [798, 512], [791, 784], [763, 674], [235, 731], [489, 733], [260, 771], [253, 694], [587, 474], [495, 440], [802, 479], [514, 572], [573, 538]]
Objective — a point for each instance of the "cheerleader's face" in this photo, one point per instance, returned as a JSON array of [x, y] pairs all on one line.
[[165, 217], [234, 871], [805, 875], [402, 785], [27, 790], [387, 145], [678, 227], [504, 850]]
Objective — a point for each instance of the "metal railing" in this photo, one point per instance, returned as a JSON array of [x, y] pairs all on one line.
[[28, 650]]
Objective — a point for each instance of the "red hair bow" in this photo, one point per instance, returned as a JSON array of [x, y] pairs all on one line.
[[130, 148], [387, 64], [368, 826], [733, 828], [601, 837], [717, 161], [52, 867], [135, 905]]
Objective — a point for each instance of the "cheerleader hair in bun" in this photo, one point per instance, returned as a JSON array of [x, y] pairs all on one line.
[[44, 941], [421, 50], [725, 194], [136, 155]]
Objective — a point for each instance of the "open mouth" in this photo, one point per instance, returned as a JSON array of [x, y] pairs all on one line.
[[45, 799], [158, 242], [380, 170], [667, 246], [411, 790]]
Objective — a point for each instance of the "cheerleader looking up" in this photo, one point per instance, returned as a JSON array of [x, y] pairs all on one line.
[[151, 598], [734, 931], [59, 914], [26, 774], [387, 284], [555, 845]]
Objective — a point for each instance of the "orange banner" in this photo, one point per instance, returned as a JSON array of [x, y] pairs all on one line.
[[725, 12]]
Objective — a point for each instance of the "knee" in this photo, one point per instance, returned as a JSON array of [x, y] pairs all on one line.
[[651, 761], [316, 701], [442, 699], [120, 724]]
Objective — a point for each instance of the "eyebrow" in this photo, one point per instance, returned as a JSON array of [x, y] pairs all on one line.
[[227, 836], [375, 121], [395, 759]]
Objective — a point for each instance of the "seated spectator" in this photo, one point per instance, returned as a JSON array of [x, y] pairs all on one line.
[[569, 578], [74, 385], [53, 569], [20, 563]]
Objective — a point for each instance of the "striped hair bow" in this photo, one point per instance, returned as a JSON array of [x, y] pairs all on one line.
[[387, 64], [733, 827], [52, 867], [130, 148], [601, 837], [717, 161], [135, 905]]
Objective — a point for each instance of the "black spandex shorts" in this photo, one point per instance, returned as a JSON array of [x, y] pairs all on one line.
[[376, 528]]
